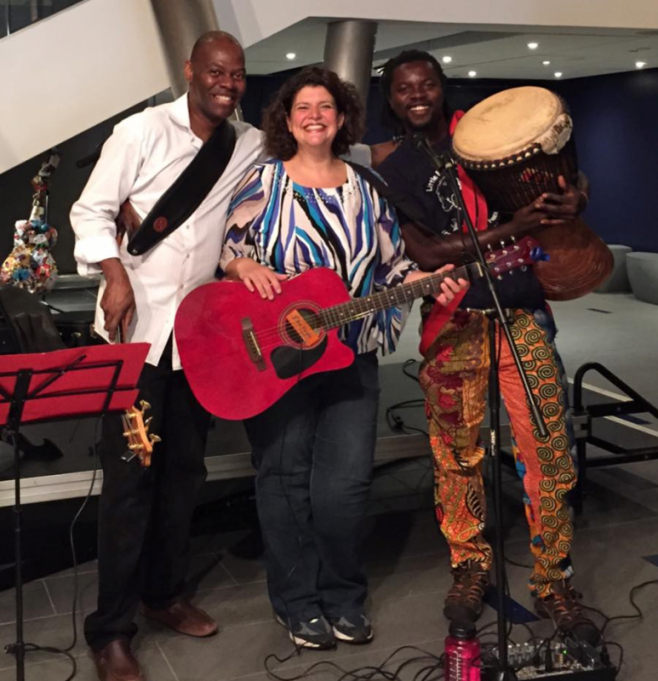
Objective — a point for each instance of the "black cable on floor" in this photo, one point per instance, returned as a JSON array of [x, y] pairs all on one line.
[[33, 647], [631, 598], [406, 365], [367, 673]]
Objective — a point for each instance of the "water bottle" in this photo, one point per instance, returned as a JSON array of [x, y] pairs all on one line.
[[462, 659]]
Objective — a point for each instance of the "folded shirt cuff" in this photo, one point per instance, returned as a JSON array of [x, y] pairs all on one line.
[[92, 250]]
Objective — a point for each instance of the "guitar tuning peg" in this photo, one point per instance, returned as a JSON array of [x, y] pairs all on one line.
[[127, 433], [154, 438], [147, 423], [134, 432], [130, 416], [135, 448], [144, 405]]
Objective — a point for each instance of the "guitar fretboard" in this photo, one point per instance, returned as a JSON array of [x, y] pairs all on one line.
[[333, 317]]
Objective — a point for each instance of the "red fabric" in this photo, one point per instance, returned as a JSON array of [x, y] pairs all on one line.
[[476, 205]]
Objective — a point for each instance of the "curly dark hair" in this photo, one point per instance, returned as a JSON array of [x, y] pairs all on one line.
[[389, 119], [278, 140]]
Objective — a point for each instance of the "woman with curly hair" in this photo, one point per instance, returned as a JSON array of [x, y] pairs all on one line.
[[313, 449]]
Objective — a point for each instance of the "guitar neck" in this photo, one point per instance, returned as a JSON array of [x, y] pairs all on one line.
[[357, 308]]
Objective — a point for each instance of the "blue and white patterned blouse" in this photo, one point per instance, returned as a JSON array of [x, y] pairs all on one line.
[[350, 229]]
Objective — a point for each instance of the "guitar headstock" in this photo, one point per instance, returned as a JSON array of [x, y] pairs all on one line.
[[518, 254], [41, 184], [136, 431]]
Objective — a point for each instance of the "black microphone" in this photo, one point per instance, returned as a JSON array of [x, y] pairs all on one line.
[[420, 142]]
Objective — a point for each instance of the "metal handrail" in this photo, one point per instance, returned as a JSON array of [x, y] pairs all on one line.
[[583, 416]]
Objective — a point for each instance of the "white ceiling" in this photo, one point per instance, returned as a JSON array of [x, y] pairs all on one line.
[[491, 51]]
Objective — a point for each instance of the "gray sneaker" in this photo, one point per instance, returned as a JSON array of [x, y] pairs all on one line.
[[315, 633], [352, 628]]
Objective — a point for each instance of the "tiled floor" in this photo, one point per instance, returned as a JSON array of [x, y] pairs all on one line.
[[407, 559], [409, 574]]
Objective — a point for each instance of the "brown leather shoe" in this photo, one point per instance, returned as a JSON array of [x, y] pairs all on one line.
[[464, 600], [116, 662], [564, 608], [184, 618]]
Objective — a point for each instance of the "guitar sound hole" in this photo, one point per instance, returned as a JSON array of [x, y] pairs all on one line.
[[295, 337]]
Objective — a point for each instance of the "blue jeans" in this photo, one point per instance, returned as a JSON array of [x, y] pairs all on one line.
[[313, 451]]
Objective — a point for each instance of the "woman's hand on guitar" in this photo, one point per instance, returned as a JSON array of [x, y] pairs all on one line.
[[449, 287], [257, 277]]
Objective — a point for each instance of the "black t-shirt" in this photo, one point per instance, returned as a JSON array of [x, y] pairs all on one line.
[[408, 171]]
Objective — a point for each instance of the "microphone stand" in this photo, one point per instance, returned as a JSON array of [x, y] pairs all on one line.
[[446, 164]]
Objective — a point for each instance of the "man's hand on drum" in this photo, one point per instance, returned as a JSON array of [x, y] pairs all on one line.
[[564, 206], [549, 210]]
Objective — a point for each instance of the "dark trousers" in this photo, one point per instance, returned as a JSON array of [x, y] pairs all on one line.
[[313, 451], [145, 514]]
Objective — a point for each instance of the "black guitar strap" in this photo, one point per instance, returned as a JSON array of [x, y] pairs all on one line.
[[187, 192]]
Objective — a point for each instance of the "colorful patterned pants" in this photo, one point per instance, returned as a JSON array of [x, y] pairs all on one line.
[[454, 378]]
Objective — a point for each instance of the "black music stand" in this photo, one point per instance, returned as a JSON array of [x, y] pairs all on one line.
[[42, 387]]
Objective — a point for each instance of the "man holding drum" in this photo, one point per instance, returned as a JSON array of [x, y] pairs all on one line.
[[455, 370]]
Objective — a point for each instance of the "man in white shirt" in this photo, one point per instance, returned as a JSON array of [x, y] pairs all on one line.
[[145, 514]]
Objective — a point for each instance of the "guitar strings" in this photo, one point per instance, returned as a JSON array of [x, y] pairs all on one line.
[[273, 336], [270, 336]]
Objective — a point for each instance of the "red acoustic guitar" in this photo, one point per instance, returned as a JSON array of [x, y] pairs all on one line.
[[241, 353]]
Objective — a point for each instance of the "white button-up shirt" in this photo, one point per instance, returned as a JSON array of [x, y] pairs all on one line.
[[140, 161]]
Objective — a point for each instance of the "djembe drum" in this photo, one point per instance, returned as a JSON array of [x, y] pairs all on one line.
[[515, 145]]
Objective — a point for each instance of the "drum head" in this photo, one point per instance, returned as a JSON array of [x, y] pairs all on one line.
[[509, 122]]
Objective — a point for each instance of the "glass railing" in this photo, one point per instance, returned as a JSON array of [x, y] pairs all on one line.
[[18, 14]]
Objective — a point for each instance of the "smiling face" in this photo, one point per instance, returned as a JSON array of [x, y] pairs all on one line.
[[217, 77], [314, 120], [416, 95]]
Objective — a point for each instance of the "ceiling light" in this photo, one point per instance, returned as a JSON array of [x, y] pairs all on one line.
[[446, 59], [558, 74], [472, 74], [546, 63], [533, 46], [640, 64], [291, 56]]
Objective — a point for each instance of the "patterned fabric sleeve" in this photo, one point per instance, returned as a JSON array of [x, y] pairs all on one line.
[[391, 271], [245, 212], [394, 265]]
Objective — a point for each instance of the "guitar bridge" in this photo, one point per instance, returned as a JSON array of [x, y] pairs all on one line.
[[251, 343]]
